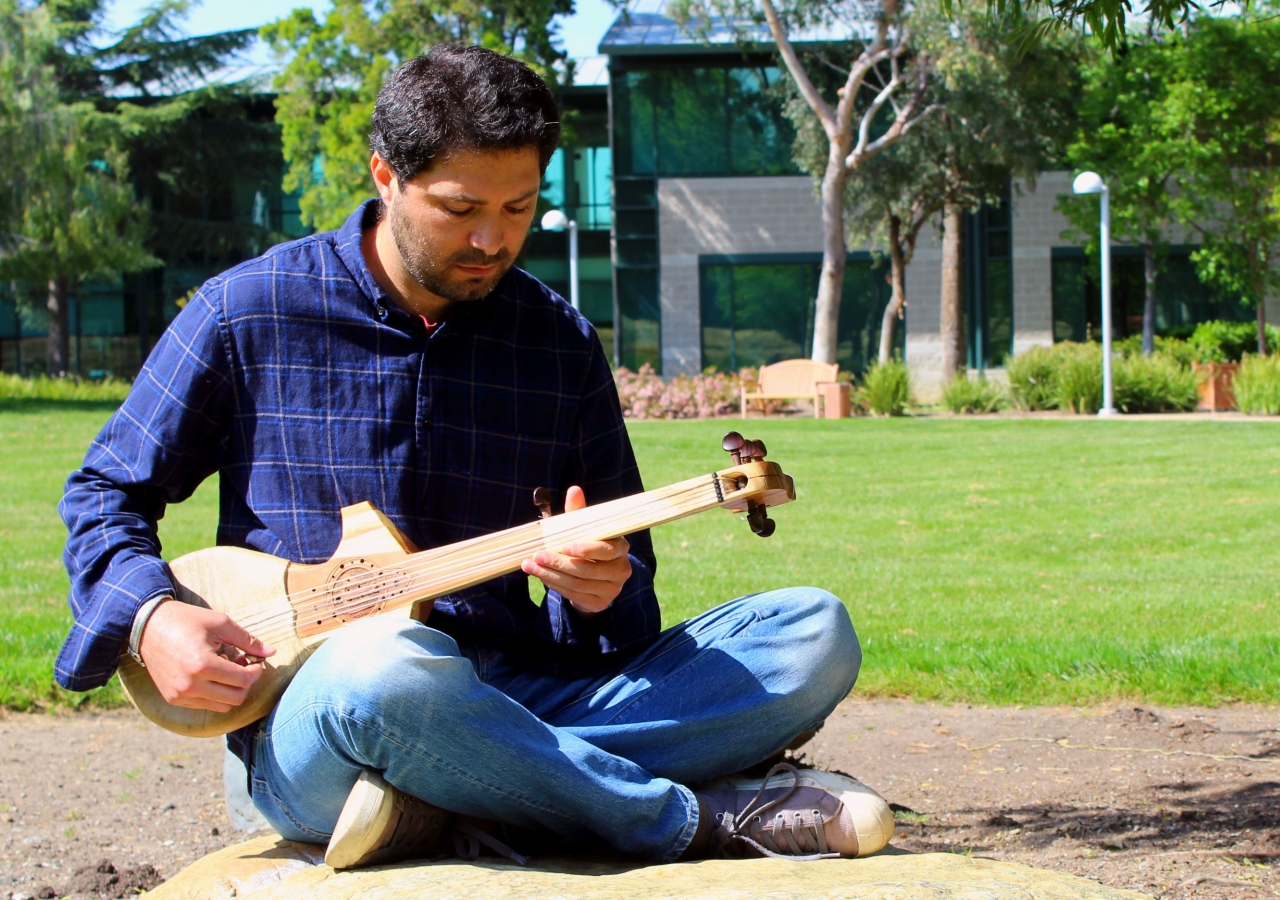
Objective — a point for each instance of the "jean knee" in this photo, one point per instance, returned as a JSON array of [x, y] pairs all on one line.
[[384, 663], [833, 655]]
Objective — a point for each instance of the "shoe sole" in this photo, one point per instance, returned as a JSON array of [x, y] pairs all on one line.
[[872, 819], [362, 822]]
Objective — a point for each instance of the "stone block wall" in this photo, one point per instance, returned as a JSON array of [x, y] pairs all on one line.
[[711, 216]]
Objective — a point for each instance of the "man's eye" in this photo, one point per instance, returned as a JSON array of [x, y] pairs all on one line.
[[518, 210], [457, 212]]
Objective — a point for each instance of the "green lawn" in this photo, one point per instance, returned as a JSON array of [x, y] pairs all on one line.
[[1005, 561]]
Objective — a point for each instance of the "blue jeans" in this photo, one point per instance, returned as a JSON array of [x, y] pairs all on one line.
[[602, 748]]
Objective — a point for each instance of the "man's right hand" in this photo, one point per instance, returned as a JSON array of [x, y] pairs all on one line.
[[180, 648]]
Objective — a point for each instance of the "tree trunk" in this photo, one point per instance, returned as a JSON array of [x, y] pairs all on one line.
[[59, 326], [898, 300], [1149, 300], [826, 321], [1262, 328], [953, 356]]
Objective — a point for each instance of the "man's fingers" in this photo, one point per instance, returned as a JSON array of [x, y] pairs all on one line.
[[574, 498], [572, 587], [600, 551], [231, 633], [615, 569]]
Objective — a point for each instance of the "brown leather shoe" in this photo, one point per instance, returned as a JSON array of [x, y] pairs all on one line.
[[800, 814]]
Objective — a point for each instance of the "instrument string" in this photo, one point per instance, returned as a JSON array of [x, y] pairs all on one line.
[[268, 621]]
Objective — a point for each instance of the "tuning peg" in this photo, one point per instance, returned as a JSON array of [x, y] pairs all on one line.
[[542, 500], [753, 451], [733, 443], [758, 519]]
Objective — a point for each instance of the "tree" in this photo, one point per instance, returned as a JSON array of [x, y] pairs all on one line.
[[1222, 115], [999, 113], [1122, 136], [337, 66], [1007, 110], [887, 204], [71, 212], [881, 88]]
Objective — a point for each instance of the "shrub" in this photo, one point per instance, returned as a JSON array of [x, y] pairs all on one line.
[[1219, 341], [1078, 377], [1257, 385], [1177, 349], [886, 388], [1155, 383], [644, 395], [965, 395], [42, 387], [1033, 378]]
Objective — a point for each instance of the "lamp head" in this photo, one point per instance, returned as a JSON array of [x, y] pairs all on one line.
[[554, 220], [1088, 183]]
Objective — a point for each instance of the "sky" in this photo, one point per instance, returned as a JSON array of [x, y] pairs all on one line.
[[580, 33]]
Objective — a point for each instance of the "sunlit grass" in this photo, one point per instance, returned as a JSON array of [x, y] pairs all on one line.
[[1010, 561], [1006, 561]]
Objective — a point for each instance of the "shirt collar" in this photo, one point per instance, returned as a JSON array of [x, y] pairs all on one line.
[[348, 246]]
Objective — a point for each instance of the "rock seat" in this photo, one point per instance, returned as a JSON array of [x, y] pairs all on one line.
[[268, 868]]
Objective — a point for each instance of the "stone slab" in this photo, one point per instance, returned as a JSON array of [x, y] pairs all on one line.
[[267, 868]]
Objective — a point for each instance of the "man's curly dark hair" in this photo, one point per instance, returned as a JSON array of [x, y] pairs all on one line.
[[459, 99]]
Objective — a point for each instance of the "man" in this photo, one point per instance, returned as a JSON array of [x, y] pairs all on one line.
[[402, 360]]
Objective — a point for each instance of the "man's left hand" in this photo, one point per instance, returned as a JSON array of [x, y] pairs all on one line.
[[589, 574]]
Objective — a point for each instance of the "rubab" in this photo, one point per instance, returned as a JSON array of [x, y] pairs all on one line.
[[377, 571]]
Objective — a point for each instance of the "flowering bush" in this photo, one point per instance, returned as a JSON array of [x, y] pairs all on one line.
[[706, 396]]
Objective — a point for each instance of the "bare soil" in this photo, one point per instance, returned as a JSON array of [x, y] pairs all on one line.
[[1178, 803]]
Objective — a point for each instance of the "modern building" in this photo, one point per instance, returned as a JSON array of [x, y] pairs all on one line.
[[699, 238], [717, 235]]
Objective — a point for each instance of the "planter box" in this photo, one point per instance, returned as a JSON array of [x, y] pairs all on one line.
[[1216, 392], [835, 400]]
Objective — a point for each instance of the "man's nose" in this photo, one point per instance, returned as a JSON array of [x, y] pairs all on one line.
[[487, 237]]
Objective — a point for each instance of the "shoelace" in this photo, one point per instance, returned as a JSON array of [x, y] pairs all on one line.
[[746, 826], [418, 818], [467, 840]]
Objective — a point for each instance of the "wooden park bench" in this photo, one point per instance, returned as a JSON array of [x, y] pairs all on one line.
[[791, 379]]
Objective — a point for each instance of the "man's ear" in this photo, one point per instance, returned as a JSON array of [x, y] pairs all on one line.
[[384, 177]]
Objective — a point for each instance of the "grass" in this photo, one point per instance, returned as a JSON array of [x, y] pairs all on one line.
[[1000, 561], [1014, 561], [41, 442]]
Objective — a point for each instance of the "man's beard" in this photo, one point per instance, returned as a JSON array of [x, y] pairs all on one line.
[[424, 263]]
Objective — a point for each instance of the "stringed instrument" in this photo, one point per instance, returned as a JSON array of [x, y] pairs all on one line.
[[377, 571]]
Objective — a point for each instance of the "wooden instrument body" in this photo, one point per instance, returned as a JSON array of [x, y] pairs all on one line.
[[375, 570], [248, 585]]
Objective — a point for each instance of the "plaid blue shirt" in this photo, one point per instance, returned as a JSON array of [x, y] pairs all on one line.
[[296, 378]]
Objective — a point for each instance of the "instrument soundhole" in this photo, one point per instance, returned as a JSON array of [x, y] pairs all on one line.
[[358, 588]]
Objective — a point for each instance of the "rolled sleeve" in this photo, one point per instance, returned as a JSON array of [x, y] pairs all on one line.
[[157, 448]]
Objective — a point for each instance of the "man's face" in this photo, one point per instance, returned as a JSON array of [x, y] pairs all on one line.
[[460, 225]]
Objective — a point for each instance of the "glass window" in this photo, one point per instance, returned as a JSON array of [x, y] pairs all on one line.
[[760, 137], [685, 121], [553, 180], [640, 324], [1182, 301], [754, 314], [633, 123], [691, 122]]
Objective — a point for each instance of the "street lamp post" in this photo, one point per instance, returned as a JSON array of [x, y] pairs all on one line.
[[555, 220], [1092, 183]]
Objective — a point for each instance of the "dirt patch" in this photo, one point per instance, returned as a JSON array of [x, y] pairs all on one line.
[[102, 805], [1178, 803]]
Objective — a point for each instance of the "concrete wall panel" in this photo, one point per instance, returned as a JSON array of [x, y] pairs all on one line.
[[706, 216]]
